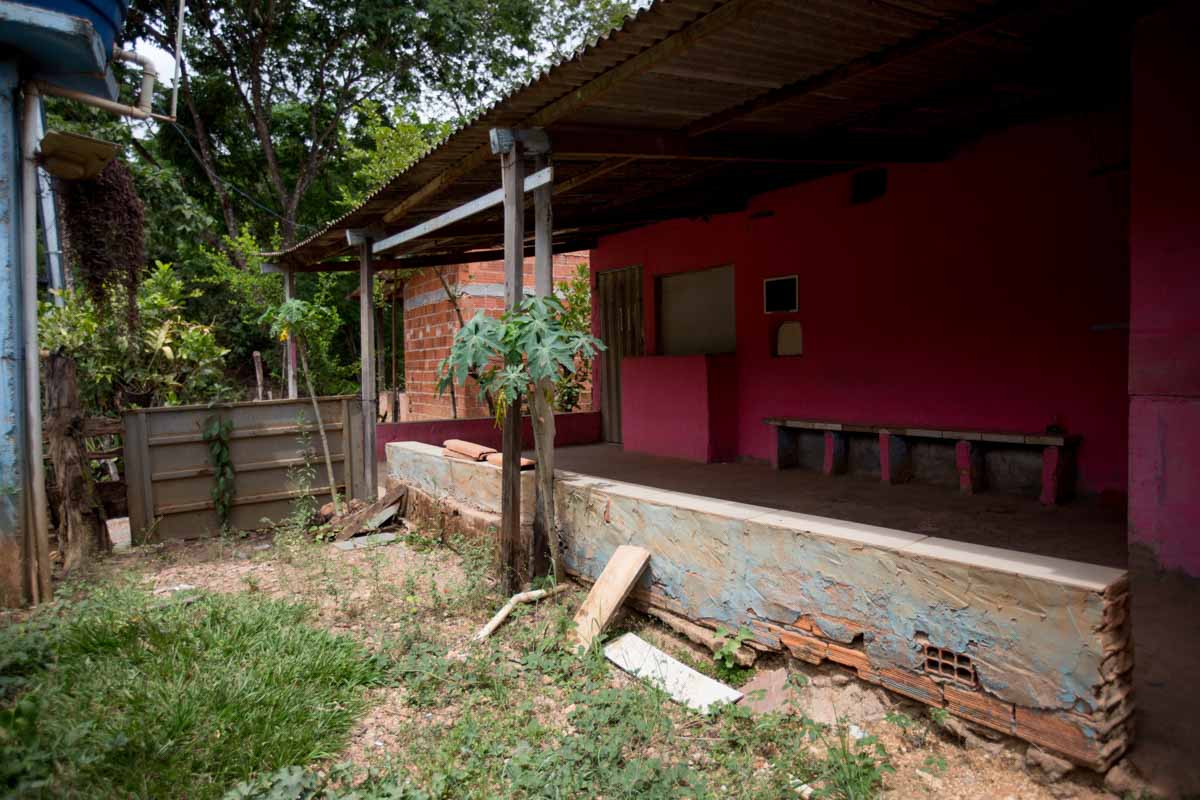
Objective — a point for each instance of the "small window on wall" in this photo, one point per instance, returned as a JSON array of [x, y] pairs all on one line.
[[781, 294], [696, 312]]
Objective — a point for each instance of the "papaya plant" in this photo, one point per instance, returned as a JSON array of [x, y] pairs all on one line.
[[510, 355], [522, 354]]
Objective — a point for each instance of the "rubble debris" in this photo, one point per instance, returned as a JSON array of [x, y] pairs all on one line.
[[609, 592], [743, 656], [497, 460], [684, 684], [366, 541], [770, 692], [472, 451], [1044, 767], [513, 602], [1123, 780], [373, 515]]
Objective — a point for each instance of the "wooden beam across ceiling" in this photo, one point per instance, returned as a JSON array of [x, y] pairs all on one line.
[[671, 46], [943, 34], [631, 143]]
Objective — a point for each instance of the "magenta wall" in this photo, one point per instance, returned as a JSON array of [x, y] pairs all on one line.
[[988, 291], [703, 428], [1164, 351], [581, 427]]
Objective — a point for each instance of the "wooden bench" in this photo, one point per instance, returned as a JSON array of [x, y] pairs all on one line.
[[895, 460]]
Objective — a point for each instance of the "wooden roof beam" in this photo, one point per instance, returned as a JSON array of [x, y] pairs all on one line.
[[946, 33], [626, 144]]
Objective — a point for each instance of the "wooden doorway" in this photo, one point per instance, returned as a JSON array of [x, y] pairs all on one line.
[[619, 293]]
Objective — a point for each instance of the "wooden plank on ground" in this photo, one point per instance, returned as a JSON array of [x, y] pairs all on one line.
[[609, 592], [361, 520], [684, 684]]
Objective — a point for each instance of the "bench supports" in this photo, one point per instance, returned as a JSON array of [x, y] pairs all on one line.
[[895, 460], [968, 457], [835, 454], [1056, 474]]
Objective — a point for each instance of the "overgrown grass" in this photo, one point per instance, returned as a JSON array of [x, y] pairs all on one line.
[[123, 694]]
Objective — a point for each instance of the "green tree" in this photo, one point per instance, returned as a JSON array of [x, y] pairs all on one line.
[[166, 360]]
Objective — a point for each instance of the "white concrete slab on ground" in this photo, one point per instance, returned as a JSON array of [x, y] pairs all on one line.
[[684, 684]]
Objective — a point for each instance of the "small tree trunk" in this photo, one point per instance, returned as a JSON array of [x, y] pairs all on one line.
[[545, 534], [333, 495], [82, 530]]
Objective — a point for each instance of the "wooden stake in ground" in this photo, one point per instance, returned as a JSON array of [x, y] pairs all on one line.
[[333, 493], [609, 592], [82, 530]]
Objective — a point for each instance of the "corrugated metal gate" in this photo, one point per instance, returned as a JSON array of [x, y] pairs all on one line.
[[170, 479]]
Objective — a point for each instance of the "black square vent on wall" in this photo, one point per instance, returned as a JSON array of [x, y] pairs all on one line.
[[781, 294]]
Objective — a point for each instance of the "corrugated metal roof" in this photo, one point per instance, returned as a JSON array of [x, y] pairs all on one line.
[[747, 95]]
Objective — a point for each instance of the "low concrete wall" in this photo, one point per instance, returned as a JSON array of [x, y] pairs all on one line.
[[1046, 640], [580, 427]]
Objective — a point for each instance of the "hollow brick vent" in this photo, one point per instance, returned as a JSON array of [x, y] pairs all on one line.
[[949, 665]]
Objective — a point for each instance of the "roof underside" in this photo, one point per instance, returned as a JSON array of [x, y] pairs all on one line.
[[696, 105]]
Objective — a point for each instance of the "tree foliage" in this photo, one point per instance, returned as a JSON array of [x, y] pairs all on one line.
[[166, 360]]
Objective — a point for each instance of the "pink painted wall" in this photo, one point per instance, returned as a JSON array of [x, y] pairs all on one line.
[[701, 429], [581, 427], [1164, 350], [988, 291]]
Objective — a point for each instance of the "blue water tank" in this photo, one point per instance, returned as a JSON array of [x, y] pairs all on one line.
[[106, 16]]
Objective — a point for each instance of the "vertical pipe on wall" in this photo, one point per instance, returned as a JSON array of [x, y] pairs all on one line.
[[14, 499], [40, 539]]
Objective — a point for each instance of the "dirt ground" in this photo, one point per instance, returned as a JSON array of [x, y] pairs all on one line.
[[363, 591]]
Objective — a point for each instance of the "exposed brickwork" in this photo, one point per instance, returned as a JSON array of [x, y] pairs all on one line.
[[429, 329]]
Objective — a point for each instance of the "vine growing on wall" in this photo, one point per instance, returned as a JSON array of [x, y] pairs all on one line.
[[215, 433]]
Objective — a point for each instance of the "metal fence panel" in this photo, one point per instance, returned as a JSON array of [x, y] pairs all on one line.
[[170, 479]]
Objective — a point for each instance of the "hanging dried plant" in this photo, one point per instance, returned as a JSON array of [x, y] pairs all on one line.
[[104, 234]]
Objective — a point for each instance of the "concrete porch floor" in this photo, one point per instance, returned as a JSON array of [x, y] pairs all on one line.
[[1082, 530]]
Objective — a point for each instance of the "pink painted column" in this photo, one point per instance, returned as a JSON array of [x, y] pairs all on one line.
[[968, 457], [835, 453]]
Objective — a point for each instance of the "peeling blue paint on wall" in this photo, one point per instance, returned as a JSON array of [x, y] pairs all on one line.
[[12, 414]]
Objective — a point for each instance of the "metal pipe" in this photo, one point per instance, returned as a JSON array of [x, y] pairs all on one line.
[[97, 102], [178, 55], [29, 331], [149, 75]]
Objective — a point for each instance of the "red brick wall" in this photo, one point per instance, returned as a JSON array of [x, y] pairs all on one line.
[[430, 324]]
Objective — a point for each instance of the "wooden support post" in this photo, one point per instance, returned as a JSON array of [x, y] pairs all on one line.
[[289, 365], [258, 375], [368, 394], [834, 462], [513, 550], [895, 460], [968, 458], [545, 535]]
